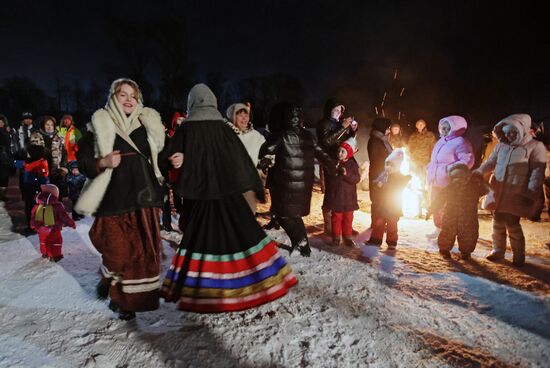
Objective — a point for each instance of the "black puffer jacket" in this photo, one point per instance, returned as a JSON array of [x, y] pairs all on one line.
[[290, 180], [330, 133]]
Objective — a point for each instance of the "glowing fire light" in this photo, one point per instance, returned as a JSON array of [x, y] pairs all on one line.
[[411, 197]]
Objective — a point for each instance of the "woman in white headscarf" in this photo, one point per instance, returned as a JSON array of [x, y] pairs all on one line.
[[239, 116], [119, 156]]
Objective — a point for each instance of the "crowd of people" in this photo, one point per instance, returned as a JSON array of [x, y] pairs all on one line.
[[128, 167]]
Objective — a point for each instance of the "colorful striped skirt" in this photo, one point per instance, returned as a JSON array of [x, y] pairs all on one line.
[[225, 261]]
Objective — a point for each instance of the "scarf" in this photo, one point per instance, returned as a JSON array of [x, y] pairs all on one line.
[[383, 138], [124, 125]]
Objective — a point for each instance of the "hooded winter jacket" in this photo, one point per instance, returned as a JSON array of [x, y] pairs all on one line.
[[330, 133], [290, 180], [251, 138], [518, 168], [450, 150], [49, 214]]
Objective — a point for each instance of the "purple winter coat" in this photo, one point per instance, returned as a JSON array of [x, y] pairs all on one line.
[[341, 195], [449, 150]]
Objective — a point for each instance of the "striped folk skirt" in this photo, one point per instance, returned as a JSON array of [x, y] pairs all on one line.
[[130, 247], [225, 261]]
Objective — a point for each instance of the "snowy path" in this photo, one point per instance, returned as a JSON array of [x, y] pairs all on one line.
[[375, 310]]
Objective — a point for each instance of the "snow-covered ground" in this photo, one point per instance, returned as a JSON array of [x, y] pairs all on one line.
[[351, 308]]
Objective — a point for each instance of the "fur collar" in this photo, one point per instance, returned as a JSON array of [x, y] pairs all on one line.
[[105, 134]]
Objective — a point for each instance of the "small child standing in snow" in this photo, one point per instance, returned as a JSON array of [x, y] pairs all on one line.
[[459, 201], [518, 163], [75, 181], [35, 171], [341, 198], [386, 216], [48, 218]]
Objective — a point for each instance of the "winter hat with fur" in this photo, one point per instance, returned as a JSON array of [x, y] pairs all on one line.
[[51, 189], [350, 145], [232, 110], [396, 158]]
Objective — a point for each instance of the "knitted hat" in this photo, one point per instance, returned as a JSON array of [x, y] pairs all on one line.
[[233, 109], [50, 188], [350, 145], [73, 165], [396, 158], [26, 115]]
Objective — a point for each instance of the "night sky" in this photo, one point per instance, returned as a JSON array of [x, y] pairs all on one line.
[[480, 60]]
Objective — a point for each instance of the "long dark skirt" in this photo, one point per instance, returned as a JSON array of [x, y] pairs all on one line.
[[130, 247], [225, 261]]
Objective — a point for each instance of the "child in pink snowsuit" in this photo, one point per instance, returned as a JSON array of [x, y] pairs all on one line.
[[48, 218], [450, 149]]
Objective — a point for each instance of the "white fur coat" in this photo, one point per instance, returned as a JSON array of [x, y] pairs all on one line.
[[104, 133]]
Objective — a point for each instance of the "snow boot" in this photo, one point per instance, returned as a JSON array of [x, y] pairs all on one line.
[[336, 242], [392, 246], [518, 259], [272, 224], [374, 242], [303, 248], [495, 256], [465, 256], [122, 314], [348, 242], [445, 254], [102, 289], [56, 258]]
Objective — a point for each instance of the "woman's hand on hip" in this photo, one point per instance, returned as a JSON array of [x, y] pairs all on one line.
[[176, 159]]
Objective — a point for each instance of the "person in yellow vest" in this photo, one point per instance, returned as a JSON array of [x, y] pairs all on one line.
[[71, 135], [48, 218]]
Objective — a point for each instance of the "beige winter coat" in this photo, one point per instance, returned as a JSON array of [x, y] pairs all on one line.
[[518, 168]]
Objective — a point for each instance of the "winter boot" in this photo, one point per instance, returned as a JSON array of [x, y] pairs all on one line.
[[374, 242], [56, 258], [272, 224], [517, 242], [336, 242], [465, 256], [445, 254], [495, 256], [303, 248], [122, 314], [348, 242], [102, 289], [392, 245], [518, 259]]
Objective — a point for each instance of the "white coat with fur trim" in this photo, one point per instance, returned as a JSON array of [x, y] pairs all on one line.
[[104, 132]]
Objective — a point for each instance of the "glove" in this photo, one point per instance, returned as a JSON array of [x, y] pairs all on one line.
[[264, 164]]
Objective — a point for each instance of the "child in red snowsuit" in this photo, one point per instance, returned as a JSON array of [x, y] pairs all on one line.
[[48, 218], [341, 195]]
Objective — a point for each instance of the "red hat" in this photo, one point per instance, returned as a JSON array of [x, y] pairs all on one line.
[[350, 145]]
